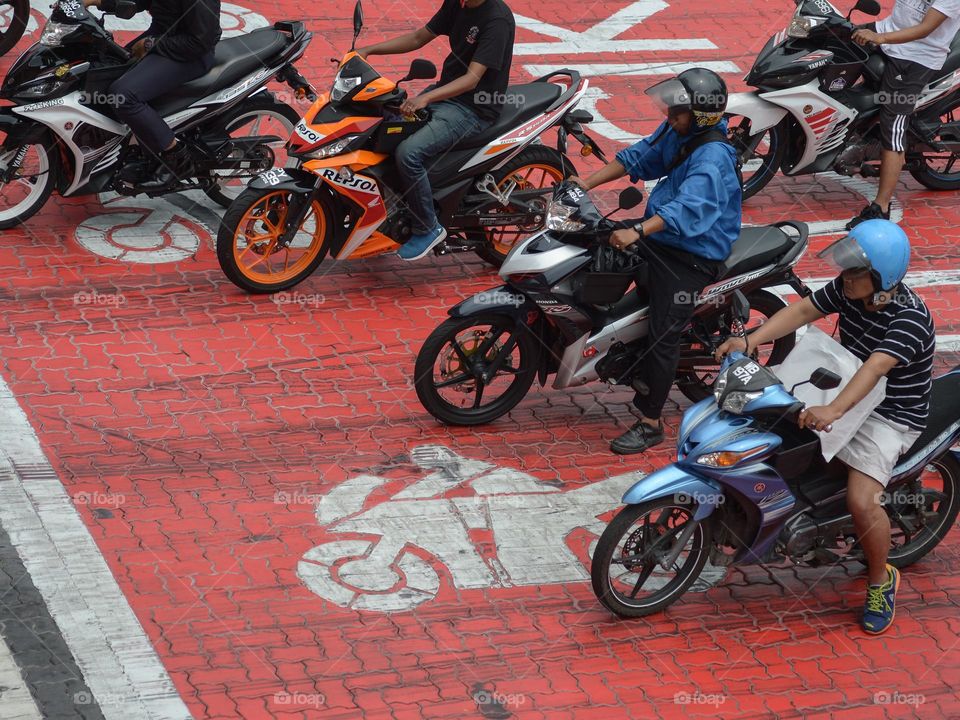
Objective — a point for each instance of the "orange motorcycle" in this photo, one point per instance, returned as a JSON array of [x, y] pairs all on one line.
[[342, 196]]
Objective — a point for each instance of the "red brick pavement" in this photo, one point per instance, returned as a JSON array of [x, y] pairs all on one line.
[[217, 418]]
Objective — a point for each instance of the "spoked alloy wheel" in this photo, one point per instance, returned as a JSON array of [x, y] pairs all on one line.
[[473, 370], [14, 15], [30, 185], [648, 556], [249, 248], [259, 116], [761, 153], [696, 384], [940, 170]]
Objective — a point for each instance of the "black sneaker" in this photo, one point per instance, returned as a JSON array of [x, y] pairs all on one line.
[[870, 212], [637, 439]]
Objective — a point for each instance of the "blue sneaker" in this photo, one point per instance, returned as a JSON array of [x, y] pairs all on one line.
[[880, 607], [419, 245]]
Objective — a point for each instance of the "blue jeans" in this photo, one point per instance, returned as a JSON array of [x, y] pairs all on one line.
[[450, 123]]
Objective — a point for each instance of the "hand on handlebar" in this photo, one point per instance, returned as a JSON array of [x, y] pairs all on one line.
[[820, 417], [868, 38], [413, 106], [734, 344], [625, 240]]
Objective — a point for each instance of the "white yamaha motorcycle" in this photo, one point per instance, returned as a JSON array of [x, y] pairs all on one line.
[[816, 106]]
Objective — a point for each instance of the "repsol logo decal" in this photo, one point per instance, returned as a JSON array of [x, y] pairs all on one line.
[[357, 182], [307, 134]]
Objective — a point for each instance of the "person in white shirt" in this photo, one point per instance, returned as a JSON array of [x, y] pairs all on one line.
[[916, 39]]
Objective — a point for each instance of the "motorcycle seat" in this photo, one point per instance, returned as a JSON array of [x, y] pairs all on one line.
[[234, 58], [756, 247], [943, 412], [953, 58], [525, 103]]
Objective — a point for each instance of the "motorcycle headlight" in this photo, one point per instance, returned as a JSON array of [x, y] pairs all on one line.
[[343, 86], [54, 33], [720, 385], [737, 400], [334, 148], [558, 218], [801, 25]]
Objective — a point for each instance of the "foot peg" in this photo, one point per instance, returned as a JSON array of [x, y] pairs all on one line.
[[488, 185]]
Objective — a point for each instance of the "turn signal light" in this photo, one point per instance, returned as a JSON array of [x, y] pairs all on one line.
[[586, 150], [727, 459]]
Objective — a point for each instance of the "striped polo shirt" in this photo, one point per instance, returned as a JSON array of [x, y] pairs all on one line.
[[902, 329]]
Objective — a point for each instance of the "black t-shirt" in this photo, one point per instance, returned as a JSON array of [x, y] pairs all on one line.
[[485, 35], [902, 329]]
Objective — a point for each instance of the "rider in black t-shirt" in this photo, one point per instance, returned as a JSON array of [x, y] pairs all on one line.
[[466, 100]]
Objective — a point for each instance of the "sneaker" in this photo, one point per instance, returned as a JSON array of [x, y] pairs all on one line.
[[419, 245], [637, 439], [870, 212], [880, 607]]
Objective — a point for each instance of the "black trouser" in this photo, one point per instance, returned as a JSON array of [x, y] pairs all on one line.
[[674, 280], [153, 76]]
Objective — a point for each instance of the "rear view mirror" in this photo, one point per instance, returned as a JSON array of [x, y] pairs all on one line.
[[421, 70], [124, 9], [868, 7], [741, 307], [824, 379], [357, 18], [630, 198]]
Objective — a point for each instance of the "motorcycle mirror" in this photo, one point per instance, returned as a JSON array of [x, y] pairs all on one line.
[[124, 9], [357, 22], [629, 198], [824, 379], [868, 7], [741, 307], [421, 70]]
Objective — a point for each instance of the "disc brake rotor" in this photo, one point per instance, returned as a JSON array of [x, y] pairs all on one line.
[[452, 365]]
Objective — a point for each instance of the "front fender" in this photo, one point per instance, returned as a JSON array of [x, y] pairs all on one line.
[[672, 480], [762, 114], [293, 179], [499, 299]]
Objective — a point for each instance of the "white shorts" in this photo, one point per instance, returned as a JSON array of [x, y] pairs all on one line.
[[877, 446]]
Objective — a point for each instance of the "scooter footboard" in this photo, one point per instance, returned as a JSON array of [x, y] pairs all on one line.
[[679, 483]]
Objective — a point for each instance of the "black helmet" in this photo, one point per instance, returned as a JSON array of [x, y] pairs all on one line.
[[701, 91]]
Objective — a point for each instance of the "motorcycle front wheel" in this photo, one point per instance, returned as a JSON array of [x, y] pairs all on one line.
[[473, 370], [248, 243], [29, 187], [14, 15], [760, 152], [627, 570]]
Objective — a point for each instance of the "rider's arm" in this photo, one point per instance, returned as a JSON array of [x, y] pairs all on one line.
[[863, 381], [399, 45], [111, 5], [931, 21], [644, 160], [700, 202], [609, 172], [786, 321], [464, 83], [203, 20]]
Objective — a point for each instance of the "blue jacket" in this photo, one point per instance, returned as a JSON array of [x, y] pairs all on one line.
[[700, 201]]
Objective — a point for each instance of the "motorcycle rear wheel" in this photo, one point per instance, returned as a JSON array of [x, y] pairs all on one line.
[[535, 167], [639, 550], [698, 383]]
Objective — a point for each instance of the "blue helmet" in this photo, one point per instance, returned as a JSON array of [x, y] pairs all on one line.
[[880, 246]]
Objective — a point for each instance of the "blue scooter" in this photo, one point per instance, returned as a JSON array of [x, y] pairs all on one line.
[[749, 486]]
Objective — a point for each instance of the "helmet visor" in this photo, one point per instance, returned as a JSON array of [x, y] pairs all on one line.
[[670, 96], [846, 254]]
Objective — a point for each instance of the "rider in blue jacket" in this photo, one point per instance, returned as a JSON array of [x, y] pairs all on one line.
[[691, 221]]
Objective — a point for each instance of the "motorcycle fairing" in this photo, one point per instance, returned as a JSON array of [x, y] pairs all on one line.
[[674, 480]]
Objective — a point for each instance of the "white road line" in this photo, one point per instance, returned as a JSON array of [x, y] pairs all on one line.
[[638, 68], [118, 662], [15, 698], [914, 280]]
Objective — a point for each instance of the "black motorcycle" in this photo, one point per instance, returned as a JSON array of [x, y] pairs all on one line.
[[62, 132], [816, 106], [566, 309], [14, 15]]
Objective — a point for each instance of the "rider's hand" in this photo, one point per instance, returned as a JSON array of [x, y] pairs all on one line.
[[578, 181], [411, 106], [864, 36], [139, 49], [820, 417], [91, 3], [622, 239], [734, 344]]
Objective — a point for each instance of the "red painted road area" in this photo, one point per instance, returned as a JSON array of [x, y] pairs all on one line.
[[229, 454]]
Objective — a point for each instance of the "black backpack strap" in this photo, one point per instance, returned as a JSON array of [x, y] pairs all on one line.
[[698, 141]]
